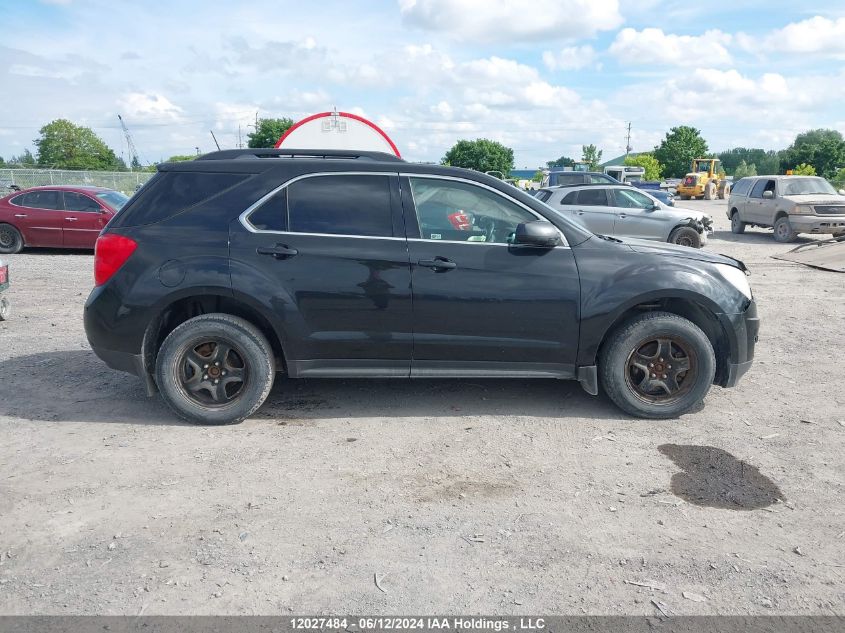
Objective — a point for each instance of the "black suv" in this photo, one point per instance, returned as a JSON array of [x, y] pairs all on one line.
[[224, 270]]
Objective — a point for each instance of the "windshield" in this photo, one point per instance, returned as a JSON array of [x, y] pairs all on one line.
[[807, 186], [114, 199]]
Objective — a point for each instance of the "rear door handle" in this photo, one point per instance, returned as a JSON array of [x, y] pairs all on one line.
[[20, 215], [622, 216], [438, 263], [279, 251], [71, 219]]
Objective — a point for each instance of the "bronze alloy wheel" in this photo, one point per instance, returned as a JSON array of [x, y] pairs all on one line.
[[212, 373], [661, 370]]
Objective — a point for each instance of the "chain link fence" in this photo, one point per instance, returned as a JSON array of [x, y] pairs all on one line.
[[125, 181]]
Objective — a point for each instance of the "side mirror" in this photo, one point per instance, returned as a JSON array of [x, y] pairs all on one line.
[[539, 233], [841, 192], [654, 207], [768, 195]]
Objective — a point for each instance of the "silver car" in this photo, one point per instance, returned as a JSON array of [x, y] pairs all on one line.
[[789, 204], [624, 211]]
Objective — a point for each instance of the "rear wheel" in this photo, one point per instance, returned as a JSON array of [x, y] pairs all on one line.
[[685, 236], [657, 365], [215, 369], [784, 231], [724, 191], [710, 191], [737, 225], [11, 240]]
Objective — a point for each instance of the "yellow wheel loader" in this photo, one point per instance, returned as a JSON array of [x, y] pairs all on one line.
[[704, 181]]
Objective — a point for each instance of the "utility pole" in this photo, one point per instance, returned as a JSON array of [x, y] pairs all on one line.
[[240, 142], [628, 141]]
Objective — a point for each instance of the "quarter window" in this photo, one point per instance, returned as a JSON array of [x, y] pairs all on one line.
[[273, 214], [461, 212], [570, 198], [341, 205]]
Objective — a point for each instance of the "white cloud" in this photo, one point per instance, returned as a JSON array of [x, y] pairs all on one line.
[[814, 35], [570, 58], [509, 20], [653, 46], [149, 106]]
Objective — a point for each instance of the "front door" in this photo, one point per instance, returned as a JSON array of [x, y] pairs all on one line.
[[40, 217], [759, 209], [84, 218], [332, 258], [481, 305], [636, 216]]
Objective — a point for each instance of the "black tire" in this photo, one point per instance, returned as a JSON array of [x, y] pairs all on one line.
[[683, 197], [784, 232], [643, 340], [5, 308], [685, 236], [710, 191], [235, 350], [11, 241], [737, 225]]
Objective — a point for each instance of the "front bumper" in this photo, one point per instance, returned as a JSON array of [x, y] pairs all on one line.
[[746, 328], [818, 223]]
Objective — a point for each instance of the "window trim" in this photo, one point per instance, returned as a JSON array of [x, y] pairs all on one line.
[[243, 218], [563, 242]]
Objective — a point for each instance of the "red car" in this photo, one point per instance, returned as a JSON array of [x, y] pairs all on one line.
[[56, 217]]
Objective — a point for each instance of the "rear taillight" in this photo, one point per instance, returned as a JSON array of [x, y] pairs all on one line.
[[110, 253], [4, 274]]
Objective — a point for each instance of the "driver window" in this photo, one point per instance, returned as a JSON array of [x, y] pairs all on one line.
[[460, 212], [632, 199]]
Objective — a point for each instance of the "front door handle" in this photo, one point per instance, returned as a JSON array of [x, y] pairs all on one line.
[[71, 219], [622, 216], [20, 215], [438, 263], [279, 251]]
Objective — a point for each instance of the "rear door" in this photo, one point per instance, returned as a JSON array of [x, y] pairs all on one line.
[[329, 253], [39, 217], [481, 305], [592, 209], [84, 218]]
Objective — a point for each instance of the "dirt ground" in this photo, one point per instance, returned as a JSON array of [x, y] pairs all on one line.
[[496, 497]]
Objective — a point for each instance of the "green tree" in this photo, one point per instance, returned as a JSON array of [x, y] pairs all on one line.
[[767, 161], [804, 170], [591, 155], [178, 158], [822, 148], [268, 132], [653, 168], [481, 154], [678, 149], [64, 145], [838, 179], [563, 161], [25, 160], [744, 169]]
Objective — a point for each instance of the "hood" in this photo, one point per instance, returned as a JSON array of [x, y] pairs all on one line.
[[687, 213], [673, 250], [818, 198]]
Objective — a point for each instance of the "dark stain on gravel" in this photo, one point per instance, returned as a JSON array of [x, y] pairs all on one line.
[[714, 478]]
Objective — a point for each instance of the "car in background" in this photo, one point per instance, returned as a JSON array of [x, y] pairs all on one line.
[[624, 211], [572, 178], [60, 216], [664, 196], [789, 204]]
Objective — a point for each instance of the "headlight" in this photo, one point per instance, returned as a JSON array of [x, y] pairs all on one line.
[[735, 277], [803, 209]]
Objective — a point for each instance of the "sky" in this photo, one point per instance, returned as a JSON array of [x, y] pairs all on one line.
[[543, 77]]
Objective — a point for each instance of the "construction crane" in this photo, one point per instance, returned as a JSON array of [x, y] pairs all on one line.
[[133, 152]]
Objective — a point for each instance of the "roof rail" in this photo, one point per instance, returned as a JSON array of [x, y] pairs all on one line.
[[336, 154]]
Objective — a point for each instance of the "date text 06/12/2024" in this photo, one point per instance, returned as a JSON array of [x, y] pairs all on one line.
[[492, 625]]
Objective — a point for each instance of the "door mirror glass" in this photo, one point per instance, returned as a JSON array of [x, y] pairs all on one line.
[[841, 192], [539, 233], [654, 207], [768, 195]]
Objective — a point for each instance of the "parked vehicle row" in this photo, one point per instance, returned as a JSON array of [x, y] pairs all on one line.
[[623, 211], [56, 217], [791, 205], [224, 270]]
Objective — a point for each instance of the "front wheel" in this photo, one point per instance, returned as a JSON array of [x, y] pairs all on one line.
[[737, 225], [657, 365], [784, 231], [215, 369], [685, 236]]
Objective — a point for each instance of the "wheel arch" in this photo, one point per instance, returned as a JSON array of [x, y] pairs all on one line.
[[181, 308]]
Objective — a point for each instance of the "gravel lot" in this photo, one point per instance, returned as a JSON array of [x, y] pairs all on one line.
[[491, 497]]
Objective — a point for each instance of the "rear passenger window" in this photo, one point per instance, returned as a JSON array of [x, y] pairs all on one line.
[[593, 197], [570, 198], [173, 192], [341, 205], [273, 214], [39, 200]]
